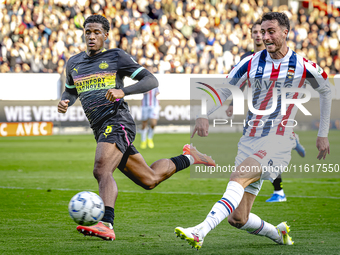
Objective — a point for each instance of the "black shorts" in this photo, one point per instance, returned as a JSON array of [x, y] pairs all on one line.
[[121, 130]]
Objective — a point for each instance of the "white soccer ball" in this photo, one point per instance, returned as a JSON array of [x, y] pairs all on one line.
[[86, 208]]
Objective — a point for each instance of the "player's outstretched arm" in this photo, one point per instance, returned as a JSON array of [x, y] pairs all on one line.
[[323, 146], [201, 127], [318, 79], [147, 81]]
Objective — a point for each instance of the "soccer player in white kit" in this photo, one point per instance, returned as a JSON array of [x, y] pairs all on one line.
[[150, 112], [264, 145], [278, 195]]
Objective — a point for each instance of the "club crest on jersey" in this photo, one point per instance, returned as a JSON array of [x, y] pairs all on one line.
[[103, 65], [291, 72], [260, 69]]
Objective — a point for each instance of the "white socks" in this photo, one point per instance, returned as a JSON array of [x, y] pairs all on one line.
[[143, 134], [150, 133], [221, 210], [146, 131], [226, 205], [256, 226], [191, 159], [279, 192]]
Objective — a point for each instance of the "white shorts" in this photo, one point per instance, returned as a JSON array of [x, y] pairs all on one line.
[[272, 152], [150, 112]]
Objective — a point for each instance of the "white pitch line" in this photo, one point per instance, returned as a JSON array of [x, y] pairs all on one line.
[[311, 182], [159, 192], [172, 178]]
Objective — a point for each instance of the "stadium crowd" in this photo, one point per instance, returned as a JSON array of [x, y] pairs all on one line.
[[166, 36]]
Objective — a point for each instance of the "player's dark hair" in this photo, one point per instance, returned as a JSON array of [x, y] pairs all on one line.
[[98, 19], [281, 18], [257, 22]]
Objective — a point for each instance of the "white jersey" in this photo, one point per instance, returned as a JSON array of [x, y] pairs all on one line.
[[264, 74], [149, 98]]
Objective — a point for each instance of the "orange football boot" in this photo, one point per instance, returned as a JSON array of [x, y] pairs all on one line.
[[199, 158], [99, 230]]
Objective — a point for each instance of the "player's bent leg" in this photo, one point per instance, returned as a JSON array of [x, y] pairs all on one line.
[[223, 208], [244, 220], [239, 217], [249, 171], [148, 177], [107, 159]]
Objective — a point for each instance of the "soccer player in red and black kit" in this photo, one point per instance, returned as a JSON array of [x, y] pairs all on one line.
[[96, 77], [256, 35]]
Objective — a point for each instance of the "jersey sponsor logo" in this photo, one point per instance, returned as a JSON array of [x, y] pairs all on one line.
[[258, 84], [95, 82], [267, 84], [261, 154], [103, 65], [291, 72]]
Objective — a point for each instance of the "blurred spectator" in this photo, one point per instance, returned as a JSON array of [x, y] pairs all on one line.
[[4, 68], [155, 10], [17, 68], [36, 63], [26, 68]]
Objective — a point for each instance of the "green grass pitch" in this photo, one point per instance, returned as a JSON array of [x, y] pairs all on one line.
[[39, 175]]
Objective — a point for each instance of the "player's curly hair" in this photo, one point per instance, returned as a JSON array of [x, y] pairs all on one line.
[[98, 19], [281, 18]]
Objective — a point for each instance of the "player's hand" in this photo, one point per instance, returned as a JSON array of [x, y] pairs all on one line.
[[229, 111], [201, 127], [113, 94], [323, 146], [63, 105]]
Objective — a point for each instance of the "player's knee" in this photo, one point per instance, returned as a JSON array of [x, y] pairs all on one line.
[[96, 173], [237, 220], [148, 183], [241, 172], [98, 169]]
